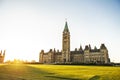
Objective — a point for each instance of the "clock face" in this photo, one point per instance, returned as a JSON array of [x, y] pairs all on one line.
[[65, 41], [65, 37]]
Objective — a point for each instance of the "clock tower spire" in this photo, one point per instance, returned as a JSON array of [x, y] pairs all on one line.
[[66, 44]]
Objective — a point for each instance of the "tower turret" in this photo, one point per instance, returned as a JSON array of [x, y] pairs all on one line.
[[41, 56], [86, 54], [2, 56], [89, 47], [95, 48], [1, 53], [54, 50], [86, 50], [104, 50], [80, 48], [4, 53]]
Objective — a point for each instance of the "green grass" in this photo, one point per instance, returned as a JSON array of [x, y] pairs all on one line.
[[58, 72]]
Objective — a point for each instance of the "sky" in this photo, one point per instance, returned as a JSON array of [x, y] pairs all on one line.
[[28, 26]]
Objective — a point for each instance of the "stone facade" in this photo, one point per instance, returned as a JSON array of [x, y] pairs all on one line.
[[2, 56], [86, 55]]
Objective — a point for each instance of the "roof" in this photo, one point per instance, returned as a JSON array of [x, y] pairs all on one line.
[[66, 27], [95, 50], [76, 52]]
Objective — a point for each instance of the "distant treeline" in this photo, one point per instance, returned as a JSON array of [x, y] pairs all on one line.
[[89, 64]]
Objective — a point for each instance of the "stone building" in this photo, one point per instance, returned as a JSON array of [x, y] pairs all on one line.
[[2, 56], [86, 55]]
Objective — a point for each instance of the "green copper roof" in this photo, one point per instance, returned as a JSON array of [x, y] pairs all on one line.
[[66, 27]]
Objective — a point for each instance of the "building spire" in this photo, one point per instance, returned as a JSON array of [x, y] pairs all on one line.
[[4, 53], [80, 48], [66, 27]]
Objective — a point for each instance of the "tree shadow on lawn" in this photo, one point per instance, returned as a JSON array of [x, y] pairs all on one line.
[[63, 78], [20, 72], [52, 76], [25, 72], [95, 78]]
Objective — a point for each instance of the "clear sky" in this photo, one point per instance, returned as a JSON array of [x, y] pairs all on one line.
[[27, 26]]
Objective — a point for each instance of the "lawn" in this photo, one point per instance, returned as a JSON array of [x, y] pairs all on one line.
[[58, 72]]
